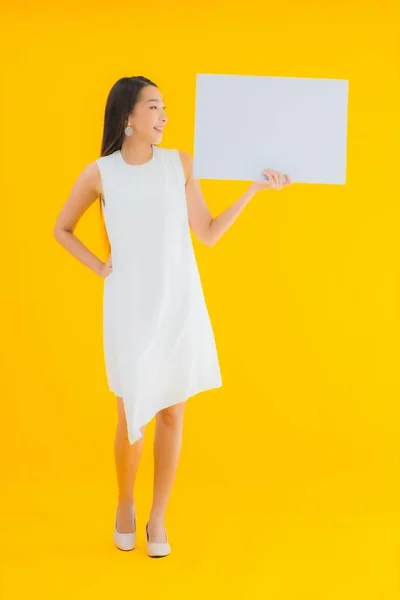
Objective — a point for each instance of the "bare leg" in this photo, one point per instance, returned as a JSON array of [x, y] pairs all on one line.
[[167, 446], [126, 462]]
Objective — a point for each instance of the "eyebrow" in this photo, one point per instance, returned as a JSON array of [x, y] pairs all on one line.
[[153, 100]]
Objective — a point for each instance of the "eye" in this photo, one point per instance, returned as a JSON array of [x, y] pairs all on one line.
[[164, 107]]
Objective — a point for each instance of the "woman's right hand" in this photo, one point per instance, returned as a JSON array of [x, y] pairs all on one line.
[[106, 268]]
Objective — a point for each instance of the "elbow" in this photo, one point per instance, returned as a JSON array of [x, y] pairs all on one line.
[[204, 234], [206, 238], [210, 239], [57, 229], [59, 233]]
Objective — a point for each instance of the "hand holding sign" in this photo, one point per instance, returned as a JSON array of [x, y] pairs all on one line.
[[275, 180]]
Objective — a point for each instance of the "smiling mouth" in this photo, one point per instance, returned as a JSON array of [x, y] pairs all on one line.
[[159, 129]]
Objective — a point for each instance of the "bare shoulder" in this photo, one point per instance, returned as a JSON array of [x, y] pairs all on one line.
[[84, 192], [187, 163], [89, 178], [92, 174]]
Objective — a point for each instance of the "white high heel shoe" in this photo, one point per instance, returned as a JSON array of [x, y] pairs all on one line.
[[125, 541], [157, 549]]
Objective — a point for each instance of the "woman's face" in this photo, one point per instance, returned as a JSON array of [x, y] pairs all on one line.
[[148, 117]]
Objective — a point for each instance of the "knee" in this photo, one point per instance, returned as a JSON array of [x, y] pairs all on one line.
[[121, 412], [172, 415]]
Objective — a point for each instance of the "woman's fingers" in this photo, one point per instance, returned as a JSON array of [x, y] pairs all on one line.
[[287, 181], [269, 175], [272, 177], [277, 179]]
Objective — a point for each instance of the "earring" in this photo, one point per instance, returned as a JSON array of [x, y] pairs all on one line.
[[128, 130]]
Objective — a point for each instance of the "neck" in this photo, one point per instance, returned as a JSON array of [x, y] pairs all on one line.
[[136, 151]]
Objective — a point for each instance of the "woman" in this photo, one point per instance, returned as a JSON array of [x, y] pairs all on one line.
[[159, 346]]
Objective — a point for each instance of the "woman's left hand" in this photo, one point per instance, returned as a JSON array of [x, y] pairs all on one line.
[[274, 181]]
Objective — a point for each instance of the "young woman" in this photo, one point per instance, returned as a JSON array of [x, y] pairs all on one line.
[[159, 346]]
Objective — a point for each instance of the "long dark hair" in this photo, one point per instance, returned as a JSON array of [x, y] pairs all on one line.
[[120, 103]]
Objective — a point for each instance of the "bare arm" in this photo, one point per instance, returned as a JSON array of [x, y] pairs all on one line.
[[84, 192], [207, 228]]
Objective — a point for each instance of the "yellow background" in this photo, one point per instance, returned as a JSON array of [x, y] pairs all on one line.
[[288, 484]]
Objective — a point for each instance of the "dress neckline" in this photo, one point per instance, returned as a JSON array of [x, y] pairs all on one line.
[[121, 158]]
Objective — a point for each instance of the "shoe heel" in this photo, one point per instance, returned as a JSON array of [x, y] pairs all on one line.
[[157, 549], [125, 541]]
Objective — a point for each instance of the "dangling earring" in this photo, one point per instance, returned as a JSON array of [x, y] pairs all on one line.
[[128, 130]]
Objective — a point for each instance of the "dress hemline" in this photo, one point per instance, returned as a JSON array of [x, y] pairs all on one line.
[[167, 404]]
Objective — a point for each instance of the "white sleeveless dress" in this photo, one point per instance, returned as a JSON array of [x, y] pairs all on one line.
[[159, 345]]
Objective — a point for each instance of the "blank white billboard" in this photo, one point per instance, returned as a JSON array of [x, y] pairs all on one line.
[[244, 124]]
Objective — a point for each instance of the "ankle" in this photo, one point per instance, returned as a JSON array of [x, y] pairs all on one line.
[[126, 501], [157, 518]]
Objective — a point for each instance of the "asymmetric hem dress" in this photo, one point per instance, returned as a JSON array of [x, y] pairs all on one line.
[[158, 341]]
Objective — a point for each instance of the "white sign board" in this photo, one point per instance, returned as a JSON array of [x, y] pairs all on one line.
[[244, 124]]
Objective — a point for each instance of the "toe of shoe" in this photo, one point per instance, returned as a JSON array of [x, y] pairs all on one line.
[[125, 541], [157, 549]]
